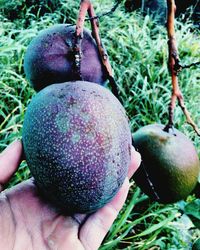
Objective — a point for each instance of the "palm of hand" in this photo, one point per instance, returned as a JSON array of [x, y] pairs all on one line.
[[36, 224], [28, 222]]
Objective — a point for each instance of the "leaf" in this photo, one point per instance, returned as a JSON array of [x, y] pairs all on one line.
[[158, 226], [193, 211], [193, 208]]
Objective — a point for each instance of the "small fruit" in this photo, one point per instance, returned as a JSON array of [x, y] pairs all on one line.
[[77, 145], [50, 58], [170, 164], [196, 245]]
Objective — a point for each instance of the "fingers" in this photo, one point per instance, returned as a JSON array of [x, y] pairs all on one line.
[[135, 162], [97, 225], [61, 233], [10, 159]]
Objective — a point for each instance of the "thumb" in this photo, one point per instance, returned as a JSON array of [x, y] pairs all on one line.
[[10, 159]]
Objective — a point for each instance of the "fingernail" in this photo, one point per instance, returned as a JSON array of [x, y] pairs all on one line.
[[133, 149], [126, 182], [136, 154]]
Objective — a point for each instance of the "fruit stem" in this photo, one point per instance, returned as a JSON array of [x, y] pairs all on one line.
[[174, 70], [102, 50], [86, 6]]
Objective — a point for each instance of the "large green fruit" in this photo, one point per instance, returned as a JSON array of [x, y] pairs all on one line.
[[196, 245], [170, 164], [77, 144], [49, 58]]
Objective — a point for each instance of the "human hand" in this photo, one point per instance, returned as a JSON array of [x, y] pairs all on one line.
[[27, 222]]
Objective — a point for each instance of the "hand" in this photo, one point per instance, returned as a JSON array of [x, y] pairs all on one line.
[[27, 222]]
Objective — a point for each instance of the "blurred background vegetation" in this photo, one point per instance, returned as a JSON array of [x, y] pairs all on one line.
[[137, 47]]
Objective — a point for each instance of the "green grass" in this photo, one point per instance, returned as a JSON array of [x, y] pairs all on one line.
[[138, 52]]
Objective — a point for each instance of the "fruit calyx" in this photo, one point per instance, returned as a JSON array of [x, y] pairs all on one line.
[[169, 128]]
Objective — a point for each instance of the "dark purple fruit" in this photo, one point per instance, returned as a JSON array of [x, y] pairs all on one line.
[[77, 144], [170, 164], [49, 58]]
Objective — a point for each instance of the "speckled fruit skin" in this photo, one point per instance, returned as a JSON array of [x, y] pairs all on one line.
[[49, 58], [171, 163], [77, 144]]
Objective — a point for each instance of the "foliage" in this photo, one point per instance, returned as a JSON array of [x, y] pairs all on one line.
[[137, 48]]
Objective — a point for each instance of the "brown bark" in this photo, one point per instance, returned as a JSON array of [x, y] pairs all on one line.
[[96, 35], [173, 62], [86, 6]]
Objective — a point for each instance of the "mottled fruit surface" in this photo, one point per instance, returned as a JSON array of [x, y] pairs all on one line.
[[50, 58], [77, 144], [170, 164]]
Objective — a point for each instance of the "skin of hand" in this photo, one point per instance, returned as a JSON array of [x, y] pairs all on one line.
[[27, 222]]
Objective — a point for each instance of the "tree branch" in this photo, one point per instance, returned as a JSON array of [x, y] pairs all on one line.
[[173, 69], [86, 6], [106, 13], [102, 51]]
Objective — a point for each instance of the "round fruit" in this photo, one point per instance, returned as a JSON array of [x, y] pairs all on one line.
[[196, 245], [77, 144], [50, 58], [170, 164]]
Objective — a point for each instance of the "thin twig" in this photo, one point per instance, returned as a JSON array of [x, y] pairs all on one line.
[[190, 65], [178, 66], [111, 11], [173, 61]]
